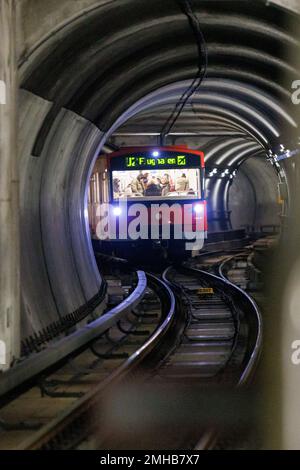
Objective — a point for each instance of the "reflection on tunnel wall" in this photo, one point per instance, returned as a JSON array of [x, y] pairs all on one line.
[[253, 198]]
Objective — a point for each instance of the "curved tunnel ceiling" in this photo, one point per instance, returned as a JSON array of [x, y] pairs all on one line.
[[128, 51]]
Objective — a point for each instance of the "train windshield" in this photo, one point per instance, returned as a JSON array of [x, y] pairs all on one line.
[[158, 184]]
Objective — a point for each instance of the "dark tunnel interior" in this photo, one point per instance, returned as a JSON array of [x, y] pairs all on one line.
[[101, 75]]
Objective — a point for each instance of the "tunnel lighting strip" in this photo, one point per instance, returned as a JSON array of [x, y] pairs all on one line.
[[287, 154]]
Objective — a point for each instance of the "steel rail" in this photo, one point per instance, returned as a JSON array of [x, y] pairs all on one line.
[[40, 362], [209, 438], [48, 437], [256, 317]]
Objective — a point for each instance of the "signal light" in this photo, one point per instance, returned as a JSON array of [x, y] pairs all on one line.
[[117, 211], [199, 208]]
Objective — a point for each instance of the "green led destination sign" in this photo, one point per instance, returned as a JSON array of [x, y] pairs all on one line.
[[144, 161], [138, 162]]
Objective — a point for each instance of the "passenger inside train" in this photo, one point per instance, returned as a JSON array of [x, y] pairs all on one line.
[[159, 184]]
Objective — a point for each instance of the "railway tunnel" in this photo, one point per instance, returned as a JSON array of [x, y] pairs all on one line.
[[94, 74]]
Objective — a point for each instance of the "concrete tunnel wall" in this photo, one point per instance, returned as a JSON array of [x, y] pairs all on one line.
[[253, 195], [66, 114], [59, 272]]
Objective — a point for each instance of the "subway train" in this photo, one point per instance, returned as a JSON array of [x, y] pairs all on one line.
[[148, 199]]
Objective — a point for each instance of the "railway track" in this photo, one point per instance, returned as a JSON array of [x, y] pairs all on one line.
[[41, 397], [192, 327], [218, 345], [208, 339], [236, 269]]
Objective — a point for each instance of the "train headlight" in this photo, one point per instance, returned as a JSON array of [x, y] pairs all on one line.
[[199, 209], [117, 211]]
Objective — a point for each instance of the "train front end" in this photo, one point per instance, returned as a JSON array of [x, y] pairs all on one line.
[[152, 198]]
